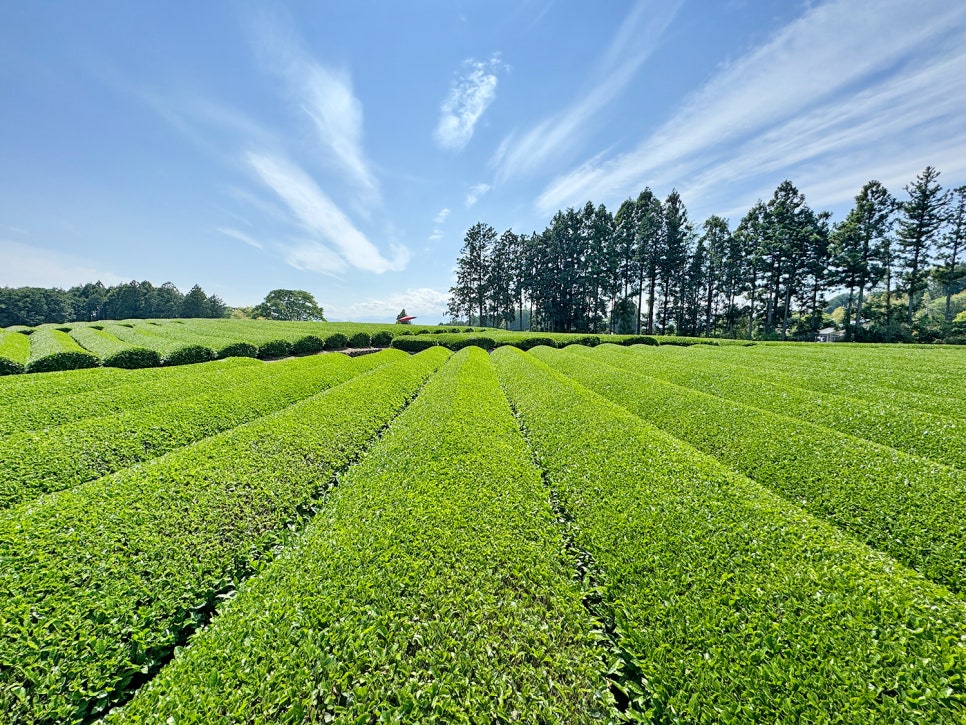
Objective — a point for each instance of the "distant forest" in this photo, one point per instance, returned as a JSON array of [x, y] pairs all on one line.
[[897, 265], [134, 300]]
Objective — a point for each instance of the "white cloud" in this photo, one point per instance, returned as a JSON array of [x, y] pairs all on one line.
[[423, 302], [794, 101], [317, 213], [634, 42], [25, 265], [475, 193], [326, 96], [240, 236], [472, 91], [313, 256], [441, 217]]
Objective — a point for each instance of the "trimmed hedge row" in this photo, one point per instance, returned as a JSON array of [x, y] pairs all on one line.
[[842, 382], [908, 507], [14, 352], [38, 462], [729, 604], [52, 349], [914, 370], [431, 588], [22, 413], [114, 352], [942, 439], [101, 583]]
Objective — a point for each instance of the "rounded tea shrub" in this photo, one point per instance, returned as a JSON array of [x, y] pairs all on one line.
[[188, 355], [275, 348], [63, 361], [336, 341], [382, 339], [360, 339], [308, 345], [238, 349], [133, 358]]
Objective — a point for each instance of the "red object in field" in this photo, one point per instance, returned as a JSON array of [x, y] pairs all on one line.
[[407, 318]]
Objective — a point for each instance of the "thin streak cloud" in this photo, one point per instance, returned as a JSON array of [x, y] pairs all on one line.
[[325, 96], [338, 242], [638, 36], [794, 100]]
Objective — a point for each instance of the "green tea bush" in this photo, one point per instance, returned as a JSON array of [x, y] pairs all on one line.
[[188, 354], [382, 339], [359, 340], [109, 578], [274, 349], [336, 341], [14, 352], [308, 345], [238, 349], [52, 350], [396, 595], [721, 592]]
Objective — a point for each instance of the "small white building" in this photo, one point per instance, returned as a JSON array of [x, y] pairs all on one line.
[[829, 334]]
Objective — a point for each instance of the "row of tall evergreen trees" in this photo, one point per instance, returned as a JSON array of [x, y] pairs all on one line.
[[93, 301], [649, 269]]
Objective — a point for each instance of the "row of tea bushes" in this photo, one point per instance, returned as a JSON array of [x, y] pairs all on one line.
[[99, 584], [53, 349], [796, 371], [14, 352], [920, 433], [432, 587], [729, 604], [47, 408], [36, 462], [910, 508]]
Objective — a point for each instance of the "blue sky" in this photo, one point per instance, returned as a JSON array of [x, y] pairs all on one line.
[[345, 148]]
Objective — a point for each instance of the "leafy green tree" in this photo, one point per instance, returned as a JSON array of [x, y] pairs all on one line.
[[920, 221], [860, 244], [289, 304], [195, 303], [952, 273], [470, 292]]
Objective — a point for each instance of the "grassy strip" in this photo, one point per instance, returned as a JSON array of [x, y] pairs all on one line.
[[38, 462], [842, 382], [31, 412], [112, 351], [174, 348], [14, 351], [938, 438], [42, 387], [432, 588], [52, 349], [98, 585], [908, 507], [899, 368], [730, 604]]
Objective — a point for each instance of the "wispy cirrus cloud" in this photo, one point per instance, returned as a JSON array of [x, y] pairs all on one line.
[[439, 220], [638, 36], [473, 90], [325, 95], [794, 104], [335, 241], [475, 193], [240, 236]]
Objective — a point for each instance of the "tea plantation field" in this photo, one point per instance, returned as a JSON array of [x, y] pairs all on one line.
[[541, 533]]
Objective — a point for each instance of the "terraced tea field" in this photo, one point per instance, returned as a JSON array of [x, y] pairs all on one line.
[[581, 534]]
